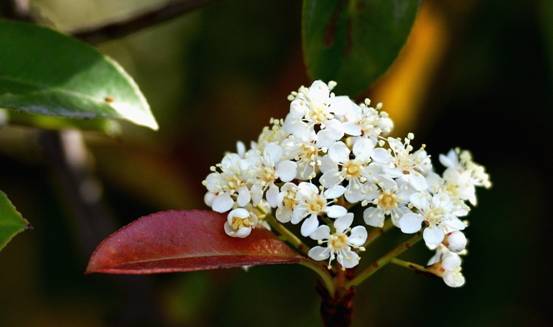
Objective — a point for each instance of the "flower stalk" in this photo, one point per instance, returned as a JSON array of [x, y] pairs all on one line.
[[384, 260], [413, 266]]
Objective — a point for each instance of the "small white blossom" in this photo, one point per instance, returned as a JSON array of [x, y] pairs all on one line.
[[456, 241], [463, 175], [449, 267], [239, 223], [438, 213], [408, 165], [390, 199], [340, 244], [311, 203]]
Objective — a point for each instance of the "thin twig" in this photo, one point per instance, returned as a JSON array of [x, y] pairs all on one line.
[[118, 29], [384, 260], [413, 266], [287, 235]]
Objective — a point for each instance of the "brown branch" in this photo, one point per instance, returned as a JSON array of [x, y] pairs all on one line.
[[136, 23]]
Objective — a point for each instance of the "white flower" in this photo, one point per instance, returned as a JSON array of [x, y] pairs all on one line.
[[338, 166], [407, 165], [306, 154], [286, 202], [339, 244], [390, 199], [229, 185], [311, 203], [462, 176], [456, 241], [310, 107], [449, 265], [361, 119], [438, 213], [268, 170], [239, 223]]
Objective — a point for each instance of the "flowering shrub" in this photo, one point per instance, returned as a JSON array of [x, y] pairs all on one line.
[[330, 156]]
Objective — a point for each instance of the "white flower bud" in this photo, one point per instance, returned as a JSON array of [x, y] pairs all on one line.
[[454, 278], [456, 241]]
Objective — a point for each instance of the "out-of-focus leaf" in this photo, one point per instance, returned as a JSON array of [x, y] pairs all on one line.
[[177, 241], [21, 118], [353, 42], [11, 222], [547, 22], [44, 72]]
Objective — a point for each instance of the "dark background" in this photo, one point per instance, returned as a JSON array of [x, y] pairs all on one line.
[[475, 74]]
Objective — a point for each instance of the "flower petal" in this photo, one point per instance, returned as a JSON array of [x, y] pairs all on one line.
[[286, 170], [273, 196], [410, 223], [362, 148], [348, 259], [454, 279], [334, 192], [319, 253], [374, 217], [244, 196], [321, 233], [358, 236], [272, 153], [433, 236], [339, 152], [342, 223], [335, 211], [381, 156], [309, 226], [222, 203]]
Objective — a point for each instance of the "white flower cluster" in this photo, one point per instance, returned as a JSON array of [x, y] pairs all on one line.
[[330, 154]]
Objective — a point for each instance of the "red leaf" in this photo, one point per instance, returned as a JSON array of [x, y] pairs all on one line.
[[173, 241]]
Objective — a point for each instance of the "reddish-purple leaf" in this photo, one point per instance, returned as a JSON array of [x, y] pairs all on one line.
[[174, 241]]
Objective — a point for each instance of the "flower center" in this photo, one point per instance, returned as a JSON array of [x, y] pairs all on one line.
[[238, 223], [434, 216], [352, 169], [268, 175], [452, 189], [309, 152], [316, 205], [318, 113], [234, 183], [387, 201], [338, 241], [289, 200]]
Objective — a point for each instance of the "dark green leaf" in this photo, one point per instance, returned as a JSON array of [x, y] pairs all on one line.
[[44, 72], [11, 222], [354, 42]]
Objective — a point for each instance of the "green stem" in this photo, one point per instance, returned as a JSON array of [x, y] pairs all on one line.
[[287, 235], [412, 266], [375, 233], [384, 260], [325, 276], [301, 247]]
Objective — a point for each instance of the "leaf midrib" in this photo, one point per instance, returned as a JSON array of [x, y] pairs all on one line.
[[55, 89]]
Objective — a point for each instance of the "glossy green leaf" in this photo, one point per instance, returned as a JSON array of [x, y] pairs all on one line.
[[11, 222], [354, 42], [44, 72]]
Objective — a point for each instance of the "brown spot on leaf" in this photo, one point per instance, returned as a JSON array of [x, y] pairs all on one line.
[[109, 99]]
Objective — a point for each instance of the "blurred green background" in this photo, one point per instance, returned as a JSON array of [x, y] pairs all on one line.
[[475, 74]]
